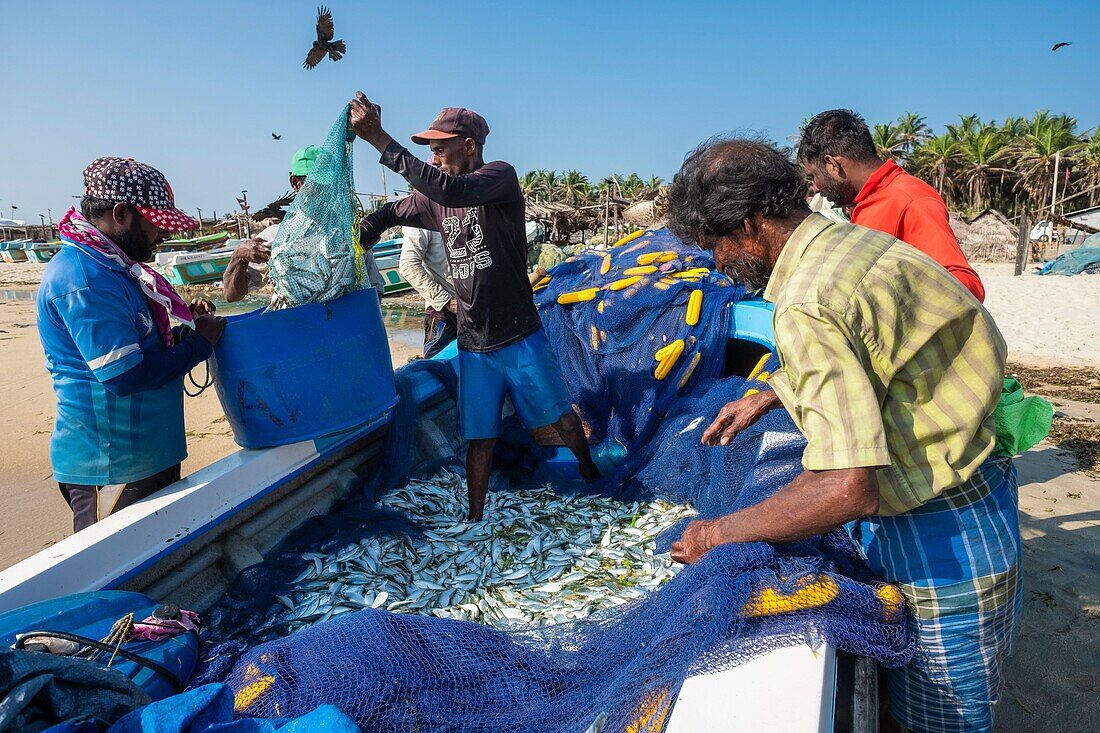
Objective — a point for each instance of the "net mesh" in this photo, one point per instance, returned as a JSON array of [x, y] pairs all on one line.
[[316, 255], [620, 668]]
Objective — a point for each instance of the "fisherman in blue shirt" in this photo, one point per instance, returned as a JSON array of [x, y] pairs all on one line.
[[117, 363]]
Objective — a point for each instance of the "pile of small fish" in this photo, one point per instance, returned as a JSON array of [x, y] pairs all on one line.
[[538, 558]]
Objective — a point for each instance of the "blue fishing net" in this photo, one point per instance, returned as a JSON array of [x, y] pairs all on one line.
[[621, 666], [606, 345], [316, 255]]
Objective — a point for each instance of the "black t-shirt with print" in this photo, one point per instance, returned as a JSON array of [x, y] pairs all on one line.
[[481, 218]]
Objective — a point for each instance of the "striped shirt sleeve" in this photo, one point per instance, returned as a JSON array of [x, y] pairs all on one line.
[[825, 386], [104, 328]]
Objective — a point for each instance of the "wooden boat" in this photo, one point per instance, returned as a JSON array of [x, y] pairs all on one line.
[[195, 243], [194, 268], [12, 251], [190, 540], [388, 256], [41, 251]]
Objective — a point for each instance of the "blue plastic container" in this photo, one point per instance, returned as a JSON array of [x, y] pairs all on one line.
[[91, 615], [301, 373]]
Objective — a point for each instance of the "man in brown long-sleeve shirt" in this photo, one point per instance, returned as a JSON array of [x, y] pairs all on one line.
[[478, 209]]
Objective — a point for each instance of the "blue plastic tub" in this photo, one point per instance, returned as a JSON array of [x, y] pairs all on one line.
[[301, 373]]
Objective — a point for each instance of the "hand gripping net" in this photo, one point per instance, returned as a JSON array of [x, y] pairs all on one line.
[[316, 255]]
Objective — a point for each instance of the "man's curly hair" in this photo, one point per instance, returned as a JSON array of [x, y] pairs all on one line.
[[725, 181]]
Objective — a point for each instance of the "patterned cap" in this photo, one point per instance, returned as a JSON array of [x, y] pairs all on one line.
[[127, 181]]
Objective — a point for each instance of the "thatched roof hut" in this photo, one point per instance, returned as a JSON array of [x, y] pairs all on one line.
[[989, 237], [561, 221], [959, 225], [649, 213]]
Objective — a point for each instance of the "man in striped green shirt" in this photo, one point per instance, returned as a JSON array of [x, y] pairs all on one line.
[[892, 371]]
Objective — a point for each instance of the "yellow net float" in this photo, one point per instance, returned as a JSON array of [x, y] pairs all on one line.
[[892, 601], [668, 359], [665, 350], [695, 272], [577, 296], [756, 370], [542, 283], [595, 338], [626, 282], [629, 238], [695, 307], [657, 258], [640, 270], [813, 592], [605, 265], [664, 283]]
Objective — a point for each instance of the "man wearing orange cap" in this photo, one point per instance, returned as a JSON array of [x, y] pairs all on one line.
[[478, 209]]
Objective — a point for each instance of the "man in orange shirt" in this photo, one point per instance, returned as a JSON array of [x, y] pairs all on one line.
[[841, 160]]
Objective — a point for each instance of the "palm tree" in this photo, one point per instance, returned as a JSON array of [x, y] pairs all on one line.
[[888, 141], [982, 150], [528, 183], [968, 125], [912, 130], [936, 160], [654, 182], [547, 185], [574, 188], [611, 186], [633, 185], [1047, 136], [1088, 159]]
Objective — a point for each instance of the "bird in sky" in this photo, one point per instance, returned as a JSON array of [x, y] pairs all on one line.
[[276, 137], [275, 210], [1055, 47], [324, 43]]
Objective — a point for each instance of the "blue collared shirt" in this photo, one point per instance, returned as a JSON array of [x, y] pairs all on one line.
[[95, 324]]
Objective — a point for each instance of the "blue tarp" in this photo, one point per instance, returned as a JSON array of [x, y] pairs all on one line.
[[1085, 258], [210, 708]]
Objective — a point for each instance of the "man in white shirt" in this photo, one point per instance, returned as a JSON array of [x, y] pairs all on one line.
[[425, 266]]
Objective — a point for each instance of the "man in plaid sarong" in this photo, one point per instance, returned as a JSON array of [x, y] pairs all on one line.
[[892, 370]]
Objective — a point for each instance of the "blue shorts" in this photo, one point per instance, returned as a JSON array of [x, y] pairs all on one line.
[[527, 371]]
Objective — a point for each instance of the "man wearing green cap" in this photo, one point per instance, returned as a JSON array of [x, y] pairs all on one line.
[[300, 166], [240, 276]]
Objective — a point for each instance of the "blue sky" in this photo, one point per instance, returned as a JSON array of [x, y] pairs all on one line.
[[196, 88]]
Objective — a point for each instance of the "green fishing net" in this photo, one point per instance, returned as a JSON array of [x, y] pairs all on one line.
[[316, 256]]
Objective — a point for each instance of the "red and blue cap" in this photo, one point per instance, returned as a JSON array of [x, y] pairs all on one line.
[[128, 181]]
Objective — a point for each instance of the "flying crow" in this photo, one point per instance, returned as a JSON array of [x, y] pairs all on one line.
[[324, 43]]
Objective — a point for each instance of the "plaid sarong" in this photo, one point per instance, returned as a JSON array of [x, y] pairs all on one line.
[[957, 560]]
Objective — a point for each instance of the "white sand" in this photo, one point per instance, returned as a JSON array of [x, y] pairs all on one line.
[[21, 273], [1046, 319]]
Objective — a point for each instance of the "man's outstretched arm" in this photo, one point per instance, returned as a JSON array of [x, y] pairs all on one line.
[[489, 184]]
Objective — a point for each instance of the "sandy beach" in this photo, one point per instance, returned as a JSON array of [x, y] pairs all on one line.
[[33, 514], [1051, 324]]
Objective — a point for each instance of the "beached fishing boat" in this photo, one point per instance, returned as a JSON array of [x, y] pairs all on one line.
[[194, 268], [41, 251], [194, 243], [12, 251], [187, 543], [388, 256]]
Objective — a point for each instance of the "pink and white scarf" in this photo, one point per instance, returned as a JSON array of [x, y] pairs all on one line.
[[164, 302]]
